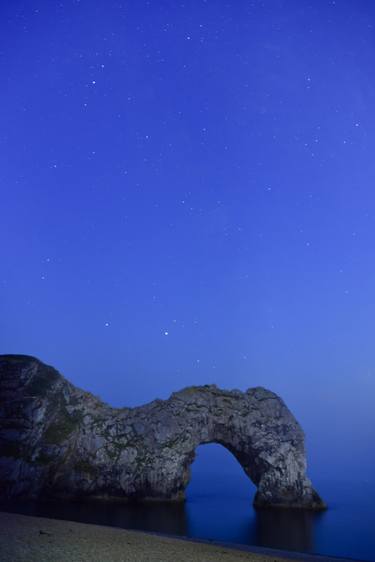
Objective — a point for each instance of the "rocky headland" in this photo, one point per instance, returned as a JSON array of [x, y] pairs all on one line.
[[59, 441]]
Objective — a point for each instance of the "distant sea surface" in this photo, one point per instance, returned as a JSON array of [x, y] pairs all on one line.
[[219, 507]]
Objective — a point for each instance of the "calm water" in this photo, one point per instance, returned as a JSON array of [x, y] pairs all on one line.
[[219, 507]]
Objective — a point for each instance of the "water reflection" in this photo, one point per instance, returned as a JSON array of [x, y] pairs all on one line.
[[230, 521], [155, 517], [286, 529]]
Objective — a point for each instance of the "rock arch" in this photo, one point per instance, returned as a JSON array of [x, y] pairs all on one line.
[[57, 440]]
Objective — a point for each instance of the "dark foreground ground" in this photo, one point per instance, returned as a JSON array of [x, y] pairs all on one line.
[[35, 539]]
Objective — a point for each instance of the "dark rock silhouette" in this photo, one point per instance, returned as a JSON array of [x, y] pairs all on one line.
[[59, 441]]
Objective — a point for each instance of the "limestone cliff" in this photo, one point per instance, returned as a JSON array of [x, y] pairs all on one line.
[[59, 441]]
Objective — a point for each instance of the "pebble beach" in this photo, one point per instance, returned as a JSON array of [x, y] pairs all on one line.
[[34, 539]]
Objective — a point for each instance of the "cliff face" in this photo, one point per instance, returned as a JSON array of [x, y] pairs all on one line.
[[59, 441]]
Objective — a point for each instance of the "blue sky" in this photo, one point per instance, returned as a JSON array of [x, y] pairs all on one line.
[[187, 198]]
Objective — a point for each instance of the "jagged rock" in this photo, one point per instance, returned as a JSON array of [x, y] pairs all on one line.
[[59, 441]]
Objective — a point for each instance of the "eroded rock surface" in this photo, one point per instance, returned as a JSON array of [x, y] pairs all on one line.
[[59, 441]]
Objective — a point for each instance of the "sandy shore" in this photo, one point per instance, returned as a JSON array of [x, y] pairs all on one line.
[[36, 539]]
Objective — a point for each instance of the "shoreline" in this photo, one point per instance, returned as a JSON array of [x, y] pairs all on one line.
[[40, 539], [270, 554]]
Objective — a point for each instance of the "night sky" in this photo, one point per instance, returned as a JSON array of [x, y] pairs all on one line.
[[187, 197]]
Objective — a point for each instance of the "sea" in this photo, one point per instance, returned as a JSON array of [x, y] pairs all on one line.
[[219, 507]]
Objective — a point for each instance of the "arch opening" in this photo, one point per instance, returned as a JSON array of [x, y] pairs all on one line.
[[215, 471], [218, 496]]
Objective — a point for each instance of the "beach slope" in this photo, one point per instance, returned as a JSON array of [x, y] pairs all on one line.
[[35, 539]]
